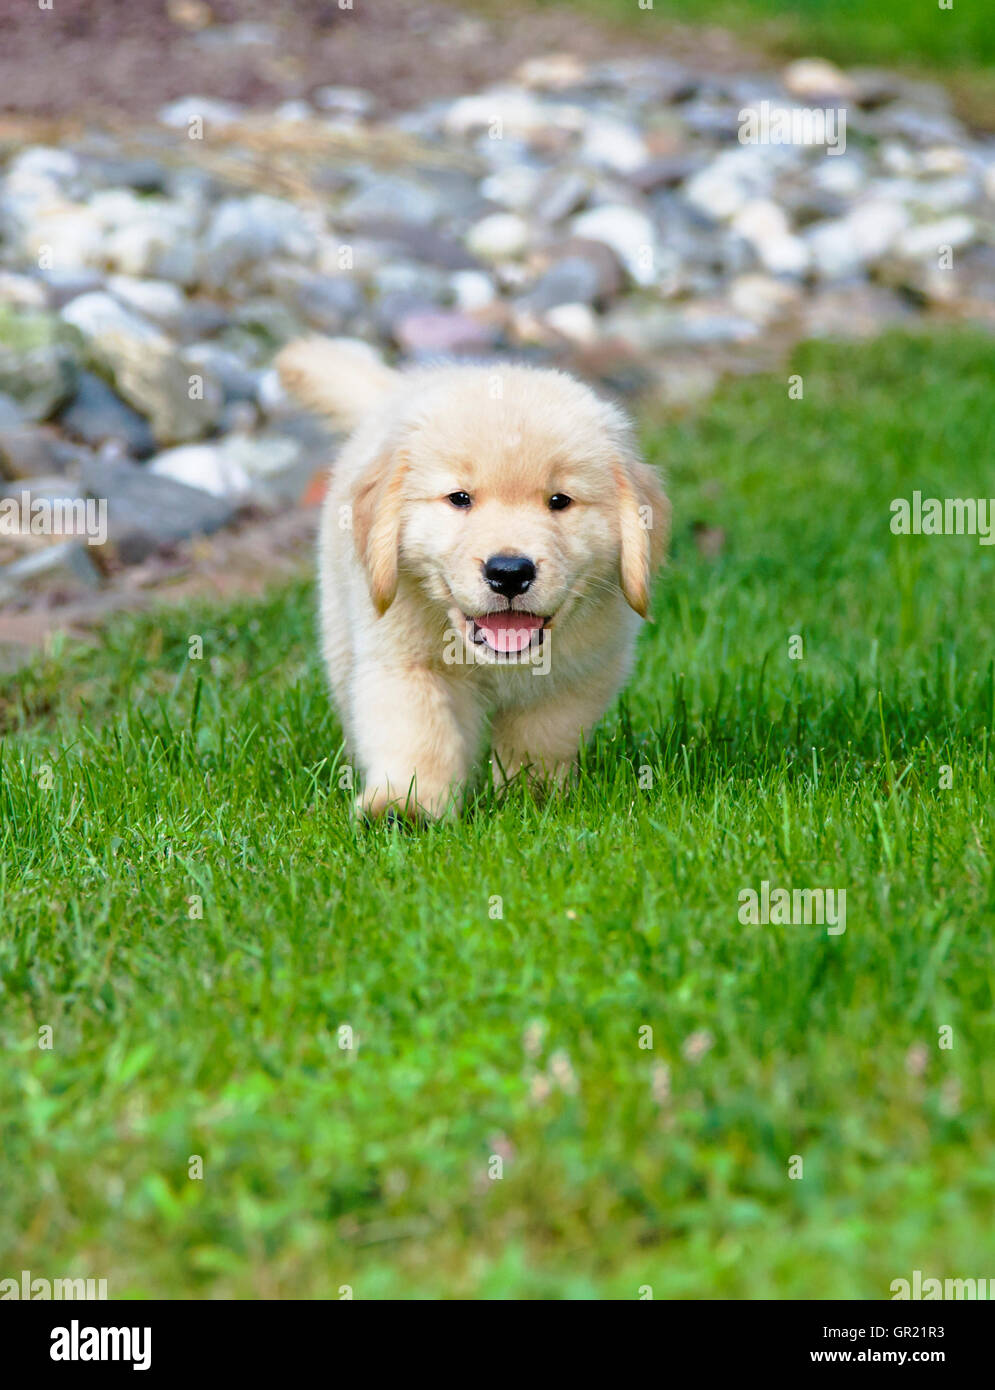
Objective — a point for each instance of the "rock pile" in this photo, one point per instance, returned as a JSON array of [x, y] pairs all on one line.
[[629, 218]]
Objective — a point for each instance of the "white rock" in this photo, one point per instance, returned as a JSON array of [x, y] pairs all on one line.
[[513, 187], [764, 226], [100, 315], [272, 398], [502, 236], [157, 300], [926, 239], [737, 175], [182, 112], [352, 100], [67, 237], [814, 79], [21, 291], [612, 144], [763, 299], [246, 231], [843, 175], [945, 159], [551, 72], [845, 246], [293, 112], [205, 466], [151, 248], [44, 164], [897, 158], [628, 232], [261, 457], [473, 289], [576, 322], [501, 110]]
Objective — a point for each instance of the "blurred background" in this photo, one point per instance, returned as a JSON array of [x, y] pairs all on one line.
[[185, 186]]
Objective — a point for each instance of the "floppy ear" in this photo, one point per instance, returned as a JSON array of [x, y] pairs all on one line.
[[376, 524], [644, 528]]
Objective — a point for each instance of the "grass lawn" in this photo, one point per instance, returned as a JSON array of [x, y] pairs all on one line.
[[852, 31], [135, 779]]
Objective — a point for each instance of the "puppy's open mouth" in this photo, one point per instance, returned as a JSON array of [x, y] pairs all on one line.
[[509, 633]]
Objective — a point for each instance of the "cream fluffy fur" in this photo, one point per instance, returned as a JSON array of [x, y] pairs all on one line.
[[419, 689]]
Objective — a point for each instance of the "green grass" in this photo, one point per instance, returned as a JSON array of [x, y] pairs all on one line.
[[519, 1036], [851, 31]]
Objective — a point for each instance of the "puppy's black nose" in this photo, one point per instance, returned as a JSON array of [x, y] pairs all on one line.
[[509, 574]]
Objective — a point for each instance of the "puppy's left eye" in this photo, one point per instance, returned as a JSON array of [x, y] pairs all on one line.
[[460, 499], [559, 501]]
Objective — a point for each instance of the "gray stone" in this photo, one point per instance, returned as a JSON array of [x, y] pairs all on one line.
[[392, 197], [64, 565], [40, 379], [268, 319], [329, 302], [560, 194], [35, 451], [97, 414], [238, 381], [120, 171], [12, 417], [420, 242], [145, 510], [246, 231], [572, 280], [180, 400], [62, 286], [629, 233], [667, 171]]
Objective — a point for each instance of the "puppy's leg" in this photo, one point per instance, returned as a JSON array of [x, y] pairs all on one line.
[[545, 737], [416, 735]]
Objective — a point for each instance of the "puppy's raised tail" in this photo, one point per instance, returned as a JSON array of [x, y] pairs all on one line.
[[339, 377]]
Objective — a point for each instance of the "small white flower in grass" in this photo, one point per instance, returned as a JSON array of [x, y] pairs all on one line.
[[660, 1083], [697, 1044], [563, 1073], [916, 1059], [950, 1097], [532, 1038], [540, 1089]]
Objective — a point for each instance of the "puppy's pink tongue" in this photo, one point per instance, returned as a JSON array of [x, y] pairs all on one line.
[[509, 632]]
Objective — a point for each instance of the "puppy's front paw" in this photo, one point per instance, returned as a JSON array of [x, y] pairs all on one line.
[[380, 800]]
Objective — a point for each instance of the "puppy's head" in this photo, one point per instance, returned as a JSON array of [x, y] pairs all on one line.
[[512, 500]]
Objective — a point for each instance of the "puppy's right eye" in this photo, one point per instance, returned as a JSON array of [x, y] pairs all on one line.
[[460, 499]]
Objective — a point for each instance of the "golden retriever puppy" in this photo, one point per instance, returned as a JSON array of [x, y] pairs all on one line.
[[487, 542]]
